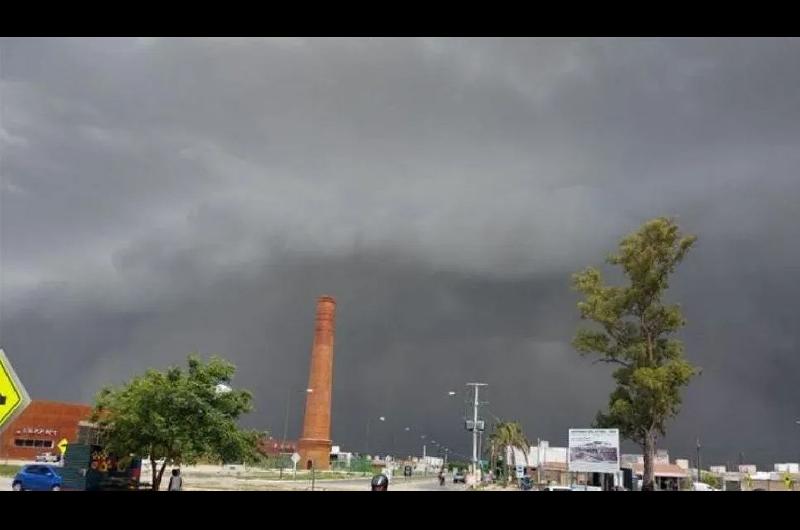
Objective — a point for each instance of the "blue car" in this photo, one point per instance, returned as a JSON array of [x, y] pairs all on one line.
[[38, 477]]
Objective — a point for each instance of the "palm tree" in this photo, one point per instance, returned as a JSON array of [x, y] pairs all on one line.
[[507, 435]]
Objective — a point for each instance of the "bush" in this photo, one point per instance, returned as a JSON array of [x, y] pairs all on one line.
[[710, 479]]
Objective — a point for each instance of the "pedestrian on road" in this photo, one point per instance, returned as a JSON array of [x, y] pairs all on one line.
[[175, 481]]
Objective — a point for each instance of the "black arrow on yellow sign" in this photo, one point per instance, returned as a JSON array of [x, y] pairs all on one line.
[[2, 399]]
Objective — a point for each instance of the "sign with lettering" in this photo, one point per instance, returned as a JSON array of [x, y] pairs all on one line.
[[37, 430], [593, 450]]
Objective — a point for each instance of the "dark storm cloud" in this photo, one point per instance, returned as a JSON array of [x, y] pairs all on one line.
[[164, 196]]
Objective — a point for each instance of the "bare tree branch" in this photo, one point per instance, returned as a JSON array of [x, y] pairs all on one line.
[[616, 361]]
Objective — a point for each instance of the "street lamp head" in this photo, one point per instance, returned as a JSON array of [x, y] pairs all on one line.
[[382, 418], [451, 393], [408, 429]]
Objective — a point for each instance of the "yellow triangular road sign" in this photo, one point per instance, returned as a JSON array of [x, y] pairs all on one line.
[[62, 446], [13, 397]]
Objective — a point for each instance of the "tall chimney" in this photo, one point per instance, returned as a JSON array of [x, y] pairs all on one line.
[[315, 444]]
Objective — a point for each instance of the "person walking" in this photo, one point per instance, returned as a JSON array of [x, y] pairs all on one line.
[[175, 481]]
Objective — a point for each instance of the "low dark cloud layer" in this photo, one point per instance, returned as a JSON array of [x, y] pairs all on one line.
[[166, 196]]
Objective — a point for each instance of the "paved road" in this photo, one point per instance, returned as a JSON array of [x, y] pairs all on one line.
[[429, 483], [401, 483]]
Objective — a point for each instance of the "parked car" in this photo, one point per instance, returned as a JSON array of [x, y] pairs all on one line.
[[556, 488], [702, 486], [48, 457], [37, 477], [583, 487], [459, 476]]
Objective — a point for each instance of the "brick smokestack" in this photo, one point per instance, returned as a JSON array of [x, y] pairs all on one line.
[[315, 444]]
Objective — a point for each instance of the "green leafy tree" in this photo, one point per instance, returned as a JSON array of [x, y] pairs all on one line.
[[506, 435], [635, 325], [178, 416], [711, 479]]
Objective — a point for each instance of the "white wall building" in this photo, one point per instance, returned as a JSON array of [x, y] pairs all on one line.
[[543, 452], [790, 468]]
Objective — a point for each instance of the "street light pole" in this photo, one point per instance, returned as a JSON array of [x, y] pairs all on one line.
[[797, 422], [286, 416], [699, 474], [368, 420], [383, 419], [286, 419], [475, 431]]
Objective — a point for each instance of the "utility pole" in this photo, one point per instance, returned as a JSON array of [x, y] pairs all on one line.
[[480, 446], [475, 426]]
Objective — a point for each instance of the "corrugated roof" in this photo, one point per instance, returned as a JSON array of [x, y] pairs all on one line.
[[664, 470]]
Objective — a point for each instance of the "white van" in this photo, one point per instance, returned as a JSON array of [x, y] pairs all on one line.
[[582, 487]]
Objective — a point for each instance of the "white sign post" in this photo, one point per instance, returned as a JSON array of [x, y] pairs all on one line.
[[593, 450]]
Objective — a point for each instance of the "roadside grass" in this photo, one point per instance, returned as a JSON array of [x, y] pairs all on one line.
[[8, 471], [274, 475]]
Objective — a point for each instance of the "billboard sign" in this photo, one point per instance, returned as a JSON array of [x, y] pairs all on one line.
[[594, 450]]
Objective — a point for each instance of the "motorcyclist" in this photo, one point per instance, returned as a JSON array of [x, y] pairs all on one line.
[[380, 483]]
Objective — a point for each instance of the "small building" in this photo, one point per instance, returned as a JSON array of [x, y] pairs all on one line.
[[547, 465], [667, 476], [339, 458], [428, 464], [40, 427], [271, 447], [787, 468]]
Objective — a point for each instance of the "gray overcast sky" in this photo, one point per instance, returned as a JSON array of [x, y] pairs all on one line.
[[161, 196]]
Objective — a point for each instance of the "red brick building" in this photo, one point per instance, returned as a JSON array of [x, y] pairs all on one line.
[[271, 448], [40, 427]]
